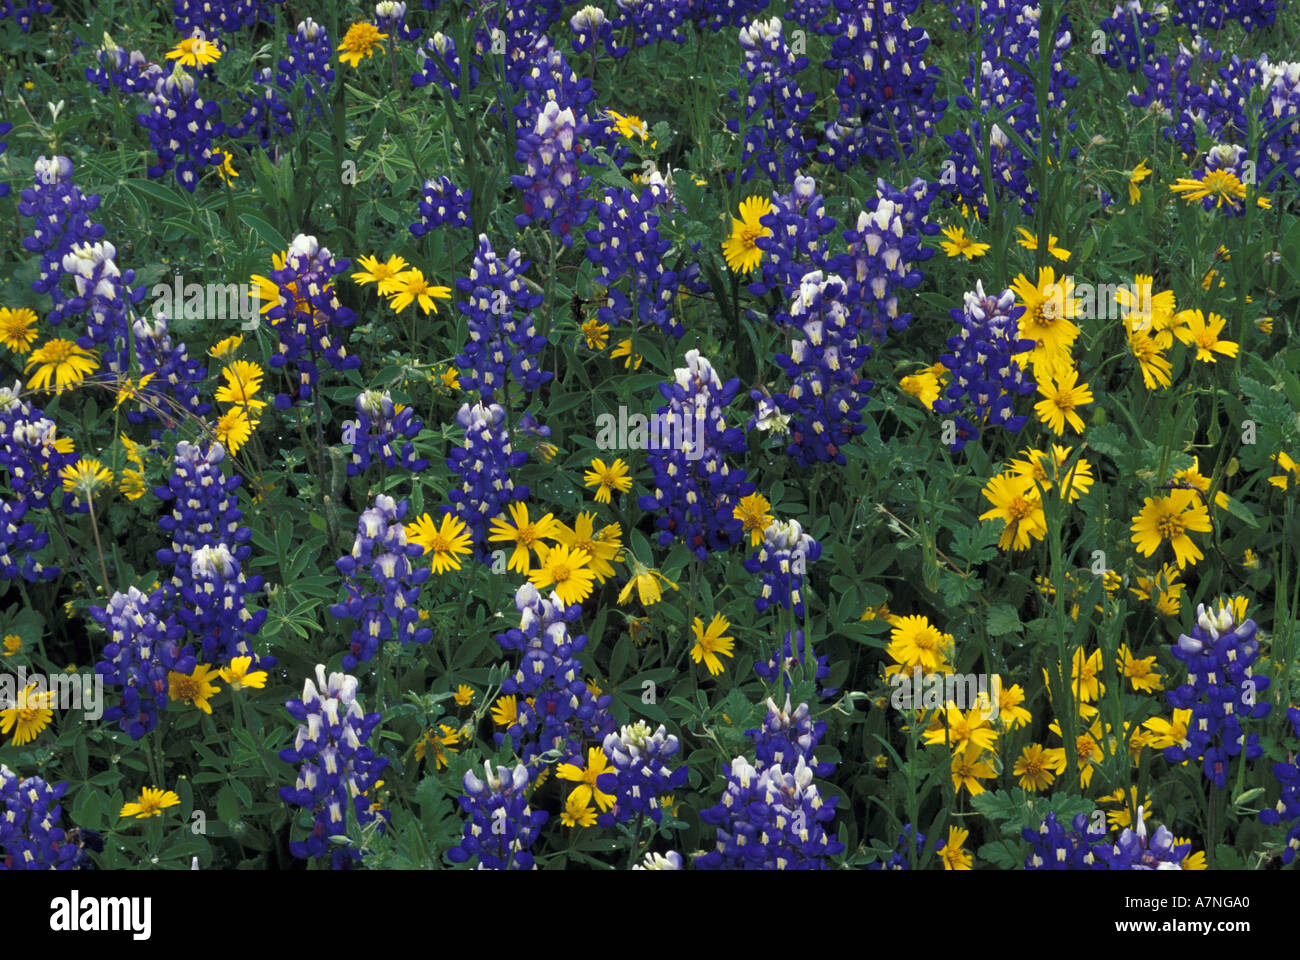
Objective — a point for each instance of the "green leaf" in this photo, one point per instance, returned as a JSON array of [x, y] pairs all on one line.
[[1239, 511], [157, 191], [976, 544], [227, 805], [268, 234], [88, 811], [1003, 619], [1226, 858], [1002, 854], [619, 658]]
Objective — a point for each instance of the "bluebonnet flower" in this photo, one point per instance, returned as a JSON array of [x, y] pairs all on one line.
[[306, 315], [1280, 124], [783, 559], [31, 835], [716, 14], [442, 203], [529, 426], [1201, 15], [182, 127], [1170, 92], [60, 214], [204, 512], [216, 608], [551, 182], [1223, 105], [143, 647], [1010, 35], [903, 850], [217, 16], [308, 61], [695, 490], [1138, 850], [652, 21], [786, 735], [884, 87], [501, 828], [542, 76], [378, 429], [809, 13], [208, 587], [672, 860], [590, 26], [382, 552], [499, 337], [535, 68], [31, 452], [639, 756], [1218, 109], [23, 13], [266, 115], [826, 393], [775, 108], [18, 542], [104, 295], [524, 34], [1053, 847], [986, 377], [1221, 690], [767, 415], [483, 463], [564, 711], [390, 18], [337, 768], [439, 58], [797, 244], [1008, 165], [772, 816], [1130, 36], [1288, 804], [883, 251], [627, 240], [998, 83], [789, 665], [129, 71], [175, 373]]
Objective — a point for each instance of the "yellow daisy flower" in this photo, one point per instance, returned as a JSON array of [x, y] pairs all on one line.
[[152, 803], [360, 42], [739, 249], [60, 363], [195, 51], [711, 642]]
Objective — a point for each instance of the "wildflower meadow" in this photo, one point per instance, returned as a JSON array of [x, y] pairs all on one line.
[[649, 435]]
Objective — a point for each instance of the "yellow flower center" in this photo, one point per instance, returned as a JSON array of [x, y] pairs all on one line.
[[749, 234], [186, 688], [57, 351], [1224, 184], [1170, 526], [1019, 508]]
